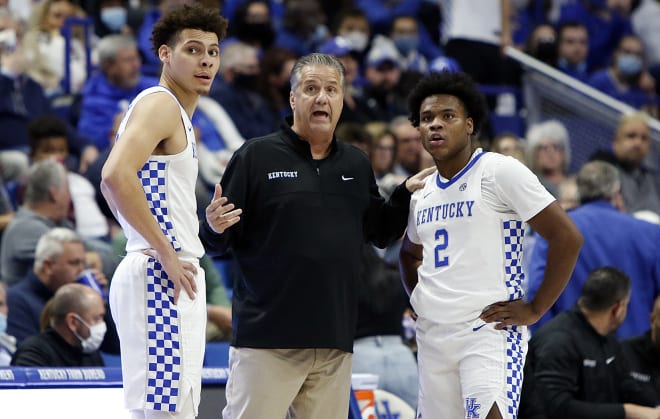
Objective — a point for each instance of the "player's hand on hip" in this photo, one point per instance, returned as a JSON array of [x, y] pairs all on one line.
[[221, 215], [509, 313], [181, 273], [417, 181]]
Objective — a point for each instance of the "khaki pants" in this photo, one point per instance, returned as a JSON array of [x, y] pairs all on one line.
[[306, 383]]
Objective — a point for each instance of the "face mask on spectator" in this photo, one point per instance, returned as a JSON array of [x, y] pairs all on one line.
[[629, 65], [246, 81], [96, 335], [358, 40], [406, 43], [113, 17]]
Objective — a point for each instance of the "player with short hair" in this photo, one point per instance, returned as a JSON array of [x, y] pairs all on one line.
[[461, 258], [149, 182]]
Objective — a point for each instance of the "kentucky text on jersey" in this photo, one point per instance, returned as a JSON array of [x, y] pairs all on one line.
[[276, 175], [444, 211]]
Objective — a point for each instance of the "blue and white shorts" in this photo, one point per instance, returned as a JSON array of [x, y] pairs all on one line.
[[162, 344], [465, 368]]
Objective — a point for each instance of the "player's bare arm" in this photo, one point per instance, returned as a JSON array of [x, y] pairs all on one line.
[[564, 243], [155, 127], [410, 258]]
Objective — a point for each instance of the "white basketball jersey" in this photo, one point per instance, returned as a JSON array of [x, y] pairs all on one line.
[[471, 228], [168, 182]]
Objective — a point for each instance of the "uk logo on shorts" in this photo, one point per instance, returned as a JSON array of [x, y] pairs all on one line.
[[472, 408]]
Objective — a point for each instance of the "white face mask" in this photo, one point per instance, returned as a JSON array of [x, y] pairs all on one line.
[[96, 335], [358, 40]]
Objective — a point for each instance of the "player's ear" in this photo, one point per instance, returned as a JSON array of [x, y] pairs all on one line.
[[292, 101], [470, 125], [164, 53]]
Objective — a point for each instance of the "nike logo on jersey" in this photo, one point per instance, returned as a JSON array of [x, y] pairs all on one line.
[[424, 197], [609, 360], [344, 178], [474, 329]]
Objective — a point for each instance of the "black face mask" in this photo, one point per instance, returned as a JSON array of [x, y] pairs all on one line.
[[263, 33], [245, 81], [546, 51]]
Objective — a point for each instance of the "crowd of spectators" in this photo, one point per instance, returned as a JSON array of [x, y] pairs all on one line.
[[69, 69]]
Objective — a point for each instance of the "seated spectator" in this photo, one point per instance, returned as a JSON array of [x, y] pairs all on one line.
[[643, 354], [48, 141], [405, 35], [74, 334], [13, 159], [342, 48], [409, 149], [252, 24], [509, 144], [627, 78], [274, 85], [567, 193], [21, 100], [549, 153], [303, 28], [607, 23], [46, 205], [631, 146], [382, 97], [579, 368], [611, 238], [572, 49], [7, 341], [351, 24], [46, 48], [111, 90], [542, 44], [113, 17], [382, 15], [60, 260], [235, 88]]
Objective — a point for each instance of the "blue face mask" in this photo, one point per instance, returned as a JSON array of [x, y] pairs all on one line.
[[113, 17], [629, 65], [580, 67], [406, 44], [3, 323]]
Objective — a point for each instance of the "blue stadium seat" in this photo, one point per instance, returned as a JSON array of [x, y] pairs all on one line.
[[217, 354]]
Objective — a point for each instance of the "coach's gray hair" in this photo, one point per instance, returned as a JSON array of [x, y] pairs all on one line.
[[51, 244], [42, 176], [598, 180], [316, 59], [109, 45]]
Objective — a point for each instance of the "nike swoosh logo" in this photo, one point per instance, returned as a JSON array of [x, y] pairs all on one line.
[[344, 178], [424, 197], [608, 361], [474, 329]]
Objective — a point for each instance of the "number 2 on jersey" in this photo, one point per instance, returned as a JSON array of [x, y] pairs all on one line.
[[442, 237]]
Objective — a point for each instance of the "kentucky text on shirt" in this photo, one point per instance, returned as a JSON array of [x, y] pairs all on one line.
[[444, 211], [276, 175]]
